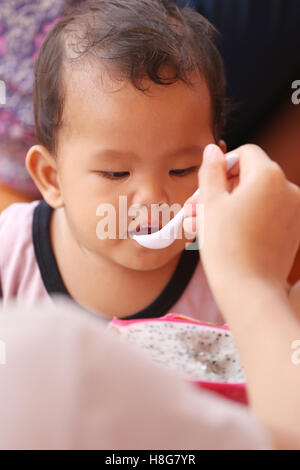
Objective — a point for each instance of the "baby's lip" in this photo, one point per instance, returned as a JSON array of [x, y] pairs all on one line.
[[146, 229]]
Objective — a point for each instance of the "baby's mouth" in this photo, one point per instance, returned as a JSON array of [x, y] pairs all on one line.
[[143, 229], [147, 229]]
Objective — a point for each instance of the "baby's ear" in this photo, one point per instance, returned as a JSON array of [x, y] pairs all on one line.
[[42, 168], [222, 145]]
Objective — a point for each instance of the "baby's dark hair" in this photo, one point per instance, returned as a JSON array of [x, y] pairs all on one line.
[[133, 39]]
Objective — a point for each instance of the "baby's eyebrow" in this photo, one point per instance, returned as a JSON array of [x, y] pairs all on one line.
[[120, 154]]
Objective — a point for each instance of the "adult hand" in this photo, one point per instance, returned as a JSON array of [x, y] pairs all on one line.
[[251, 221]]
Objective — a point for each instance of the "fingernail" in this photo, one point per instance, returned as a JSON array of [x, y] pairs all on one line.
[[210, 153]]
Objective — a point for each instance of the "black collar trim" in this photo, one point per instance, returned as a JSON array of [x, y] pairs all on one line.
[[54, 283]]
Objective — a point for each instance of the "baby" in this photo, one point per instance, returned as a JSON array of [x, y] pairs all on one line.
[[127, 94]]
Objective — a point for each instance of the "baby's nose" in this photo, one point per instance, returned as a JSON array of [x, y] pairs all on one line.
[[148, 199], [148, 209]]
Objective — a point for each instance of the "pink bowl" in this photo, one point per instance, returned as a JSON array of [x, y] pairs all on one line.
[[232, 391]]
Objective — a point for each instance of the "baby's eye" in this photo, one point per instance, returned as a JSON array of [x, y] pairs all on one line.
[[184, 172], [114, 175]]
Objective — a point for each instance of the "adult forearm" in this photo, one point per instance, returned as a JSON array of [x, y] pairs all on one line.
[[264, 328]]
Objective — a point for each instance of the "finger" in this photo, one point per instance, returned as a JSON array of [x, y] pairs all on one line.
[[190, 226], [234, 170], [192, 200], [233, 183], [252, 161], [294, 187], [189, 208], [231, 160], [212, 174]]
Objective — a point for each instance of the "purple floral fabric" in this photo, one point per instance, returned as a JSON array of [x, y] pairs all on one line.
[[23, 26]]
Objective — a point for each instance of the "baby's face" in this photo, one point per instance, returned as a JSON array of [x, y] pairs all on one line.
[[121, 142]]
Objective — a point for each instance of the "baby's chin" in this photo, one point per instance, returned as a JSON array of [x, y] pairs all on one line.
[[144, 259]]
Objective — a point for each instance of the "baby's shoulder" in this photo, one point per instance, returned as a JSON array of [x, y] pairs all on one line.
[[16, 226], [19, 270], [17, 214]]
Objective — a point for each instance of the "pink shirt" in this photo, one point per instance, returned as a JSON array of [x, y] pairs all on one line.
[[29, 271]]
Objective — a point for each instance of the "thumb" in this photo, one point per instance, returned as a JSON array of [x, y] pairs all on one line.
[[212, 174]]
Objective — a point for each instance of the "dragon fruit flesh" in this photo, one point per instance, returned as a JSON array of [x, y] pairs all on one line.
[[202, 353]]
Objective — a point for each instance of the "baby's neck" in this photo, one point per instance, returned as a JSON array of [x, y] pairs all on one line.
[[98, 283]]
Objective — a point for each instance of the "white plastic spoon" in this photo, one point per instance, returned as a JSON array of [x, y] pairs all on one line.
[[166, 236]]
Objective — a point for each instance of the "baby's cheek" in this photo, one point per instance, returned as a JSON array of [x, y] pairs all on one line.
[[294, 296]]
